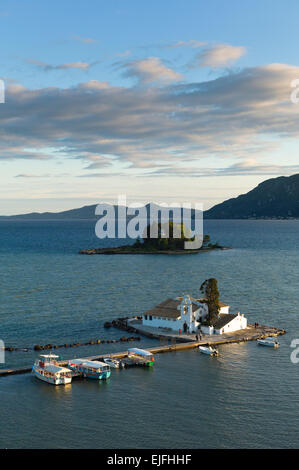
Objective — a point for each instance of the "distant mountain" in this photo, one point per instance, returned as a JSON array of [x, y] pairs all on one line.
[[85, 212], [274, 198]]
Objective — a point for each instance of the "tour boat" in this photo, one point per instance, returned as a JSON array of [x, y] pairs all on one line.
[[114, 363], [271, 342], [141, 355], [91, 369], [47, 369], [208, 350]]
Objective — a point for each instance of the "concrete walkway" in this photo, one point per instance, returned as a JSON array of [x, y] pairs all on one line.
[[250, 333], [178, 342]]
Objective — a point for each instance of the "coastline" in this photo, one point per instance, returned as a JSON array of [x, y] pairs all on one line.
[[127, 250]]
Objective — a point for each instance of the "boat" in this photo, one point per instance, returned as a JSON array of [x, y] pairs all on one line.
[[208, 350], [46, 368], [270, 342], [91, 369], [114, 363], [141, 356]]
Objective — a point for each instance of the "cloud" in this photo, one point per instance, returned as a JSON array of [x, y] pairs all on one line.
[[192, 43], [26, 175], [218, 55], [45, 175], [101, 175], [124, 54], [93, 85], [85, 40], [71, 65], [243, 168], [150, 70], [244, 115]]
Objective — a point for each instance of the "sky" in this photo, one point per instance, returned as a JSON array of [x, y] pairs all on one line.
[[173, 101]]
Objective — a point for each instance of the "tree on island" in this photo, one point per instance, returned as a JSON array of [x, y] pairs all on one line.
[[169, 236], [206, 240], [210, 290]]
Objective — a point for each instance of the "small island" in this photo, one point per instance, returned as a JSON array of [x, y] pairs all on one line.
[[162, 244]]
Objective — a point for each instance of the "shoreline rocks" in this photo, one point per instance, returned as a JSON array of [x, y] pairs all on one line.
[[127, 250]]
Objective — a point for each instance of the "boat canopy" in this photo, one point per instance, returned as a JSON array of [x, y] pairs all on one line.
[[141, 352], [95, 364], [49, 355], [77, 362], [84, 363], [56, 369]]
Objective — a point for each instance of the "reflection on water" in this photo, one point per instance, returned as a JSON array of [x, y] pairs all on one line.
[[90, 383]]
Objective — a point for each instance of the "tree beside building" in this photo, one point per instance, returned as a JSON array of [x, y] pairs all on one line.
[[210, 290]]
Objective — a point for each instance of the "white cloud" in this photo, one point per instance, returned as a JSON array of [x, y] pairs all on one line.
[[85, 40], [218, 55], [151, 70], [192, 43], [241, 168], [244, 115], [70, 65], [27, 175], [124, 54], [44, 175]]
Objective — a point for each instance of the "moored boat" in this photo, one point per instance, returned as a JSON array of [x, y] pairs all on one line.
[[208, 350], [114, 363], [142, 356], [46, 368], [91, 369], [270, 342]]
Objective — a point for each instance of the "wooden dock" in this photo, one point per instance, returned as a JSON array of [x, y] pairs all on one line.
[[250, 334]]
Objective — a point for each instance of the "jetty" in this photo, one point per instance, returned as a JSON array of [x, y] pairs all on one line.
[[178, 342]]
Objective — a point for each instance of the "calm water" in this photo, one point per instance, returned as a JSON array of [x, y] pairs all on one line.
[[248, 397]]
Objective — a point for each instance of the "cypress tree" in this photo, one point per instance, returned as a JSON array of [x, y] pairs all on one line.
[[210, 290]]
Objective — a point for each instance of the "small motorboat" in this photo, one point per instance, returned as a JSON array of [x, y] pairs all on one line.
[[114, 363], [270, 342], [47, 368], [208, 350]]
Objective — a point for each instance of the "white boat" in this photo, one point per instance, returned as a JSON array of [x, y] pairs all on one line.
[[270, 342], [46, 368], [208, 350], [114, 363]]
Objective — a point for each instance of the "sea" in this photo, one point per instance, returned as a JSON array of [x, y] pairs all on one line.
[[248, 397]]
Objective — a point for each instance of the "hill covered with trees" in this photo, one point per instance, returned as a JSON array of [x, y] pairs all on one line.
[[276, 198]]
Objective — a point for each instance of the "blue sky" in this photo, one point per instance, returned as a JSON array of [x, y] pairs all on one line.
[[168, 101]]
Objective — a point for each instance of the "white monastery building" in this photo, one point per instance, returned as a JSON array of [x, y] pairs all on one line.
[[187, 314]]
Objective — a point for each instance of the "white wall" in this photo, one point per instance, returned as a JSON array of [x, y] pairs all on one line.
[[224, 309], [238, 323], [177, 325], [207, 330], [162, 323]]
